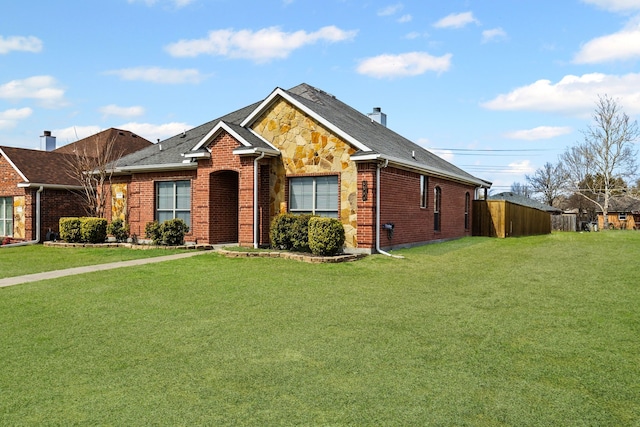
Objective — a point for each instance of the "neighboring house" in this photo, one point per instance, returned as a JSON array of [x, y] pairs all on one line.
[[624, 213], [36, 189], [509, 215], [302, 151]]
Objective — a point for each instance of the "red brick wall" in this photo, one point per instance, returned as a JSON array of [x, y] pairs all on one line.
[[400, 205], [55, 204]]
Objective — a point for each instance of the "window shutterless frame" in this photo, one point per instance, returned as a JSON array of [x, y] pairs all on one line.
[[424, 191], [317, 195], [6, 216], [437, 201], [173, 200]]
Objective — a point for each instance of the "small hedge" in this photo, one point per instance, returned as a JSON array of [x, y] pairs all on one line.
[[326, 236], [296, 233], [70, 230], [119, 230], [83, 230], [170, 232]]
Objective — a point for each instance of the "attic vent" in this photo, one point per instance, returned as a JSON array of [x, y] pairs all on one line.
[[120, 133]]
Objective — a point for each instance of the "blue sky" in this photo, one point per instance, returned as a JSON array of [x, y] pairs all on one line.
[[497, 87]]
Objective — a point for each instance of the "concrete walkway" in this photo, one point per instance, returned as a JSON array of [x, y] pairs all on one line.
[[17, 280]]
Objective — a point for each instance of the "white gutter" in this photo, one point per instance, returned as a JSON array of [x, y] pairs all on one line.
[[37, 239], [155, 168], [256, 229], [49, 186], [380, 166]]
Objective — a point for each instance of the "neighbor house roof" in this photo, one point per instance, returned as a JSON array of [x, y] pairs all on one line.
[[372, 140], [623, 204], [50, 168], [37, 167], [521, 200]]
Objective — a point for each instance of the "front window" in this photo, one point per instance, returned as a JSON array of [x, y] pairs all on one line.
[[6, 216], [437, 200], [622, 216], [173, 200], [317, 195]]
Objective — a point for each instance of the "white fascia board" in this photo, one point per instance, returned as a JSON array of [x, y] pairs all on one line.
[[18, 171], [255, 150], [198, 155], [278, 92], [157, 168], [214, 132], [419, 167], [49, 186]]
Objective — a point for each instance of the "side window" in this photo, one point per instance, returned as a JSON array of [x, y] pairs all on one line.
[[173, 200], [467, 205], [437, 202], [424, 191]]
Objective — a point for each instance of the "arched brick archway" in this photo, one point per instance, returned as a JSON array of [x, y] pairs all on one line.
[[223, 202]]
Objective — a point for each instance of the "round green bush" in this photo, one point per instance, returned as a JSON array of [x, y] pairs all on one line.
[[326, 236]]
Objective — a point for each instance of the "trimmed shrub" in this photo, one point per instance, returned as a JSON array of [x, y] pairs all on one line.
[[152, 231], [299, 233], [173, 231], [326, 236], [170, 232], [93, 230], [119, 230], [280, 231], [70, 230]]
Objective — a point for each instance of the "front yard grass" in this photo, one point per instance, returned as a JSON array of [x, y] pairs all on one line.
[[22, 260], [532, 331]]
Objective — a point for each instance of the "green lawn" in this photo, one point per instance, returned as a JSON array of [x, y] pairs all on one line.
[[20, 260], [533, 331]]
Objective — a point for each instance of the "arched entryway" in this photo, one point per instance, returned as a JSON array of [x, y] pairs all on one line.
[[223, 207]]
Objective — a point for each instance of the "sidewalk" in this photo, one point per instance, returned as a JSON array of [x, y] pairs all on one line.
[[17, 280]]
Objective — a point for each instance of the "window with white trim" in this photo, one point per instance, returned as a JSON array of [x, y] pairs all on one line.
[[173, 200], [622, 216], [6, 216], [317, 195], [424, 191]]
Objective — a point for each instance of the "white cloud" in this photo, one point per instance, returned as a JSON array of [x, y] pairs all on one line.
[[405, 18], [10, 118], [390, 10], [523, 167], [403, 65], [74, 133], [176, 3], [413, 35], [260, 46], [572, 94], [127, 112], [20, 43], [153, 132], [540, 132], [493, 34], [456, 20], [615, 5], [43, 89], [444, 154], [622, 45], [159, 75]]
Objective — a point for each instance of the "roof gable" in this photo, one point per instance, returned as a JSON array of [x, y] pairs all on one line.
[[40, 167]]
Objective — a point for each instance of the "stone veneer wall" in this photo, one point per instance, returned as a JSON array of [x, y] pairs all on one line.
[[309, 149]]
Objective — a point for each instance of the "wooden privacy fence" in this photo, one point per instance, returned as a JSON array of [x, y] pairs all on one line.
[[564, 222], [499, 218]]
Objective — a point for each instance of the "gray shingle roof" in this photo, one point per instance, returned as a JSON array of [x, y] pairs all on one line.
[[378, 138], [524, 201]]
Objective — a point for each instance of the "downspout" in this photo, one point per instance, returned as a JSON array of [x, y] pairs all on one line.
[[380, 166], [256, 229], [37, 239]]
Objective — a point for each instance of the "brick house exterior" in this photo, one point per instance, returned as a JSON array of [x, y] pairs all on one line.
[[35, 184], [297, 150]]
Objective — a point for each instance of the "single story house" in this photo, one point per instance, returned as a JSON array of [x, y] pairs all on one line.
[[623, 213], [36, 188], [300, 150]]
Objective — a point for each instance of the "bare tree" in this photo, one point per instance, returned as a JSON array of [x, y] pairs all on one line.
[[606, 158], [92, 166], [520, 189], [548, 181]]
